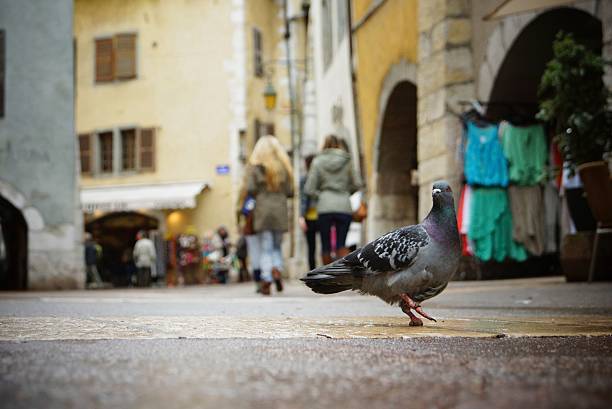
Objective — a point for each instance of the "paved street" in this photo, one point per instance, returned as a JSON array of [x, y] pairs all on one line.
[[510, 343]]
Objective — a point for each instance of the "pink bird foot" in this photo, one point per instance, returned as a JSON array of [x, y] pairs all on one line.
[[407, 304]]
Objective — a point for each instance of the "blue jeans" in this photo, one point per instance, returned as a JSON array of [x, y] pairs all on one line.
[[342, 221], [270, 256]]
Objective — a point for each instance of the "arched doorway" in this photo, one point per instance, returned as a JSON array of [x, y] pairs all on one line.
[[513, 94], [514, 91], [116, 234], [395, 197], [13, 248]]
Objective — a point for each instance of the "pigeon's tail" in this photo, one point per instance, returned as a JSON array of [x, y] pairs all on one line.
[[333, 278]]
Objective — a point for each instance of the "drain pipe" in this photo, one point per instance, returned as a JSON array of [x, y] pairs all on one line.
[[358, 137]]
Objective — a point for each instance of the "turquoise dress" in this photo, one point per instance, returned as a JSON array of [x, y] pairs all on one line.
[[485, 163], [490, 228]]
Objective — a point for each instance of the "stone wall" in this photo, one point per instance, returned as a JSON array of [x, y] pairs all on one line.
[[445, 76], [37, 139]]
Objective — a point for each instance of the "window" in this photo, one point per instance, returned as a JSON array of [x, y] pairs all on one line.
[[105, 142], [263, 129], [128, 149], [257, 53], [342, 19], [147, 149], [257, 130], [124, 150], [116, 58], [85, 151], [2, 70], [326, 27]]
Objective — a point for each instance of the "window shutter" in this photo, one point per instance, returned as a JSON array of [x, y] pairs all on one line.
[[147, 149], [85, 153], [105, 143], [104, 60], [257, 53], [2, 63], [128, 149], [125, 56], [257, 130], [270, 129]]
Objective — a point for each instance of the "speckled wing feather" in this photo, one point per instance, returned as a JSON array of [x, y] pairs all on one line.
[[394, 251]]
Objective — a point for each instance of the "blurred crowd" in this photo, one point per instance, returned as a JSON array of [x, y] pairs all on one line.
[[326, 193]]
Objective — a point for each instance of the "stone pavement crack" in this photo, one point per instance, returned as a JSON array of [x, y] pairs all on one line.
[[215, 327]]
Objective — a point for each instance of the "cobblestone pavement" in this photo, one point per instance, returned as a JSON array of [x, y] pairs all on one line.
[[533, 343]]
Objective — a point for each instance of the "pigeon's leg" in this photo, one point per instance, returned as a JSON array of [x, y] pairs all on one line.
[[416, 307], [414, 320]]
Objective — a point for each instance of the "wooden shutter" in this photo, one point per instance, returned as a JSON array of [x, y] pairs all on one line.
[[270, 129], [104, 60], [2, 71], [125, 56], [147, 149], [86, 153], [128, 149], [257, 130], [257, 53], [105, 144]]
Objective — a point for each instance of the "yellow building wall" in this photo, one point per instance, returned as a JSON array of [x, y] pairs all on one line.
[[387, 37], [182, 88], [267, 17]]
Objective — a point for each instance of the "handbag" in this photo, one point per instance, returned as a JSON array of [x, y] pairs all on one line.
[[247, 210], [361, 213], [248, 205]]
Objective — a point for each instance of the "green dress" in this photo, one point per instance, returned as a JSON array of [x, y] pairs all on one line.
[[491, 226], [526, 151]]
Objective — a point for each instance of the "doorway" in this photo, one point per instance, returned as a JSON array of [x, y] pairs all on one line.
[[395, 196], [13, 248], [116, 234]]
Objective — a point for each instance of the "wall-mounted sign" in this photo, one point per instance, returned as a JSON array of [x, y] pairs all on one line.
[[223, 169]]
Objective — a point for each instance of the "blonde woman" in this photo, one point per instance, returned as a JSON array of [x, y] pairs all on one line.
[[269, 181]]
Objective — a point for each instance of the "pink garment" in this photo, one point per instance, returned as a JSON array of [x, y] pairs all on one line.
[[464, 217]]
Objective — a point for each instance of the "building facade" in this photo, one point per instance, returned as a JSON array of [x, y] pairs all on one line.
[[41, 224], [418, 64], [170, 101]]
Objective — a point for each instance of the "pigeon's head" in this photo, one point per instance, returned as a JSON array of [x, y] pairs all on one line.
[[442, 193]]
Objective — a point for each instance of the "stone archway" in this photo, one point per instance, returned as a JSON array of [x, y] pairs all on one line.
[[508, 32], [394, 198]]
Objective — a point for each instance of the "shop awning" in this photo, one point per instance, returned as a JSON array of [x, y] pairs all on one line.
[[510, 7], [178, 195]]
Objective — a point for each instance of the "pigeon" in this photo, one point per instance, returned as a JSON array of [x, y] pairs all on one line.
[[406, 266]]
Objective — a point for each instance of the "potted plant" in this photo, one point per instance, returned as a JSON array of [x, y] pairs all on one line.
[[575, 99]]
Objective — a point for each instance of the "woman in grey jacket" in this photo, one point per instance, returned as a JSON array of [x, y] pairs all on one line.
[[331, 181], [269, 181]]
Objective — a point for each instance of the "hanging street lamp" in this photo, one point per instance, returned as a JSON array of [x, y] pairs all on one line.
[[270, 97]]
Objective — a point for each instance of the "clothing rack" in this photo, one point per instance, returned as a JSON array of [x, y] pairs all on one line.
[[515, 109]]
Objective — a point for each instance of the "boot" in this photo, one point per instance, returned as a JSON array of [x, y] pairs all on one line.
[[257, 278], [343, 252], [327, 258], [265, 287], [278, 281]]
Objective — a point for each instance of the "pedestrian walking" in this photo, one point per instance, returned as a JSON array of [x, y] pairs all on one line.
[[91, 261], [244, 218], [308, 217], [331, 181], [144, 257], [269, 182]]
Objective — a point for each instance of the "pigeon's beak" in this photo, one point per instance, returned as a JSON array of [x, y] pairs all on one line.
[[433, 192]]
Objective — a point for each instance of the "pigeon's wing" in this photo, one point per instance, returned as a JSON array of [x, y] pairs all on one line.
[[394, 251]]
